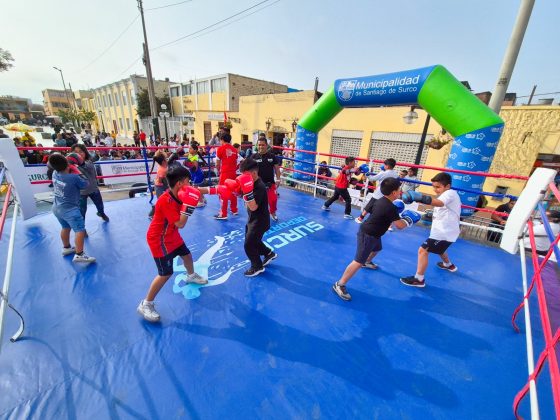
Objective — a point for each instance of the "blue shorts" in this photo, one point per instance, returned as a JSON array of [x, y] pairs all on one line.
[[70, 219]]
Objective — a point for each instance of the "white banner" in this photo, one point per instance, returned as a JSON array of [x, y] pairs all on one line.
[[125, 167], [38, 173]]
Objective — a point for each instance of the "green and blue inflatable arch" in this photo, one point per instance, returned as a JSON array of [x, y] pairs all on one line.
[[475, 127]]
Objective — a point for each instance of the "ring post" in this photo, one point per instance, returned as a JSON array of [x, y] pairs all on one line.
[[145, 155]]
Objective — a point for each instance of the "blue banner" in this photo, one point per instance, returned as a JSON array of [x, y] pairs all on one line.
[[305, 140], [399, 88], [473, 151]]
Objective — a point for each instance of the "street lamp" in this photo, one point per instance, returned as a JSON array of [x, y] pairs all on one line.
[[64, 86], [409, 118], [164, 115], [101, 118]]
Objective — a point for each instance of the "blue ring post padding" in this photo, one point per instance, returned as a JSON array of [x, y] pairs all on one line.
[[549, 232], [473, 151], [400, 88], [306, 140]]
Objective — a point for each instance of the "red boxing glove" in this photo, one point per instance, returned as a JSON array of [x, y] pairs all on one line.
[[221, 190], [189, 196], [246, 183], [73, 170], [233, 186]]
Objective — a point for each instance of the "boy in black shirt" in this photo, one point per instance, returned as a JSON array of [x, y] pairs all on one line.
[[382, 214], [255, 198]]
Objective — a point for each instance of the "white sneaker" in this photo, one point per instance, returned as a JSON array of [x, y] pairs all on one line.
[[83, 259], [349, 217], [196, 279], [68, 251], [358, 220], [325, 208], [148, 311]]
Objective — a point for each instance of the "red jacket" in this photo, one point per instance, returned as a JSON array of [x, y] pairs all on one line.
[[343, 178]]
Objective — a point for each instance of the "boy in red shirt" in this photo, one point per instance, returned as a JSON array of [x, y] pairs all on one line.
[[341, 187], [173, 209], [226, 165]]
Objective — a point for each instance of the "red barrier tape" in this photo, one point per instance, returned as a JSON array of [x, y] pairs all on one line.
[[5, 209], [549, 353], [458, 171]]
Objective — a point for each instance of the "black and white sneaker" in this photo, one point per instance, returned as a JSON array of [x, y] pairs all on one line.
[[103, 216], [413, 281], [252, 272], [370, 265], [220, 217], [452, 268], [272, 256], [341, 291]]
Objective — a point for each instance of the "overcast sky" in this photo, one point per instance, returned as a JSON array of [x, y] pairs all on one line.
[[286, 41]]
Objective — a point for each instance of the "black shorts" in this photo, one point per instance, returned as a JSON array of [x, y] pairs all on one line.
[[165, 264], [435, 247], [366, 245]]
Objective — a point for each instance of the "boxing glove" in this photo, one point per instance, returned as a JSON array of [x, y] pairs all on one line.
[[74, 159], [410, 217], [73, 170], [246, 183], [364, 168], [233, 186], [410, 196], [221, 190], [382, 167], [189, 196], [399, 204]]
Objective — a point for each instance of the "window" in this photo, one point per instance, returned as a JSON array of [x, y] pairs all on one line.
[[187, 89], [219, 85], [110, 99], [400, 146], [132, 98], [346, 143], [174, 91], [124, 98], [128, 126], [202, 87], [116, 99], [121, 124]]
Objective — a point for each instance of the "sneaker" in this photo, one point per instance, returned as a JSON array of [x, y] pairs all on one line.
[[103, 216], [235, 213], [451, 268], [83, 259], [220, 217], [196, 279], [358, 220], [349, 217], [370, 265], [274, 217], [413, 281], [252, 272], [148, 311], [325, 208], [68, 251], [341, 291], [269, 257]]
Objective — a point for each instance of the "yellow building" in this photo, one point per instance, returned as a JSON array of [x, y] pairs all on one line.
[[115, 104], [205, 100], [531, 136], [56, 100]]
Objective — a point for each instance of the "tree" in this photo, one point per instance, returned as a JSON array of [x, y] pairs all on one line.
[[143, 103], [86, 116], [5, 60], [67, 115]]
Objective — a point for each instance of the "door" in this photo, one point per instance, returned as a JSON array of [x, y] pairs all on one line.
[[207, 131]]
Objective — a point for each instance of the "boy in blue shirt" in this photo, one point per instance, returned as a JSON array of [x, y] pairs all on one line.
[[67, 182]]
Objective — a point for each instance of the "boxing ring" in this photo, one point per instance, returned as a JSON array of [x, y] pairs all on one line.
[[278, 346]]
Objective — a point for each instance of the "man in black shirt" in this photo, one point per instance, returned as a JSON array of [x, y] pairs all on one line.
[[499, 221], [269, 166], [255, 198], [382, 214]]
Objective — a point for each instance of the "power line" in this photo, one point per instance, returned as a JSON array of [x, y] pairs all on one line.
[[110, 45], [168, 5], [539, 94], [209, 26]]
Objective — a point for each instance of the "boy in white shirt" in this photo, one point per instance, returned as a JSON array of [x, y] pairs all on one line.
[[445, 227]]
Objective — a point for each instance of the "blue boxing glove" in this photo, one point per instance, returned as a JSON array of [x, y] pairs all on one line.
[[399, 204], [382, 167], [410, 217], [410, 196], [364, 168]]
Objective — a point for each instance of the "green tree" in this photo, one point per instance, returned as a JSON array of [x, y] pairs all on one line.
[[143, 103], [67, 115], [86, 116], [5, 60]]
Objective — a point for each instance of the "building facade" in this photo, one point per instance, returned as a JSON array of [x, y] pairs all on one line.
[[115, 104], [201, 103], [15, 108], [55, 100]]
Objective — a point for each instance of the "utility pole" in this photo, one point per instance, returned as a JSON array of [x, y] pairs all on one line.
[[511, 54], [64, 86], [531, 95], [147, 63]]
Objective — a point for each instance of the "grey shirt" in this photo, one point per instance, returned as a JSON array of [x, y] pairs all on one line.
[[88, 169]]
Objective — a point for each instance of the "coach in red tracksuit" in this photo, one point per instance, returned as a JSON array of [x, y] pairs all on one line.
[[269, 167]]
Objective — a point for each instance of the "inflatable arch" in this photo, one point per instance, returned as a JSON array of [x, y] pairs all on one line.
[[475, 127]]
